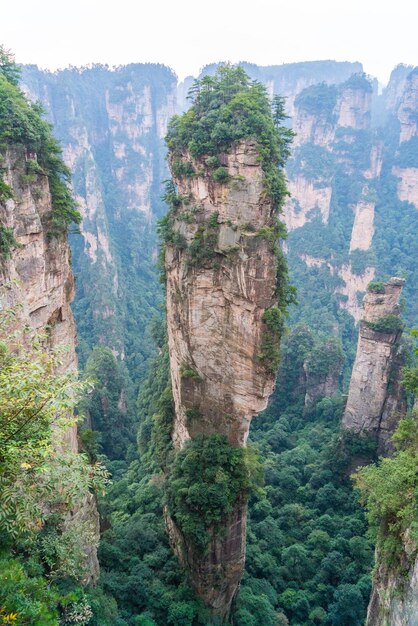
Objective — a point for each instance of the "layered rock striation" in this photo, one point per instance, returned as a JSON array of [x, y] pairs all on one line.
[[375, 399], [218, 289]]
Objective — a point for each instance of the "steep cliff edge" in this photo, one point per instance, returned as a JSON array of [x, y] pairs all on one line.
[[226, 286], [394, 599], [36, 280], [375, 399]]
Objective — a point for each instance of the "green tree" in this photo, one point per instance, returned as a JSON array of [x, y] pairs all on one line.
[[347, 607], [41, 481], [108, 404], [8, 67]]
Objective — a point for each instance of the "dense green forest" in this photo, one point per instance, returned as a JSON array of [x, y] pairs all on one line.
[[308, 558]]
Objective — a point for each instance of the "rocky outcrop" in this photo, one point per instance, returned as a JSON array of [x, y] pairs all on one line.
[[309, 128], [305, 198], [394, 599], [215, 309], [354, 105], [375, 399], [407, 109], [38, 283], [395, 87], [220, 282]]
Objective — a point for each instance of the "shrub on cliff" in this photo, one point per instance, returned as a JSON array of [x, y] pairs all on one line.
[[22, 124], [385, 324], [205, 480]]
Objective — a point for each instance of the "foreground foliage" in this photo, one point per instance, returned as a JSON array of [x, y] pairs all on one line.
[[41, 482]]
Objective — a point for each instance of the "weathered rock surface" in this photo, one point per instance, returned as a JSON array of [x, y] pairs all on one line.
[[215, 330], [38, 281], [394, 599], [354, 108], [408, 106], [375, 399], [305, 197], [214, 312]]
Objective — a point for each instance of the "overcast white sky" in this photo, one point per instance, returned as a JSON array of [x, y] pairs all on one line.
[[187, 34]]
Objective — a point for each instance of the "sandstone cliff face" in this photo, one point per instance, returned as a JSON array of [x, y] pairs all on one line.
[[394, 599], [38, 276], [305, 198], [215, 332], [332, 122], [38, 280], [407, 108], [311, 129], [354, 108], [215, 312], [375, 399]]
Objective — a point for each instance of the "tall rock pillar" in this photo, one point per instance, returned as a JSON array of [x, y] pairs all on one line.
[[375, 399], [222, 263], [220, 282]]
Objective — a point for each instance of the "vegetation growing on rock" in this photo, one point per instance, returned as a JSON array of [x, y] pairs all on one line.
[[22, 124], [386, 324], [227, 108], [204, 482]]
